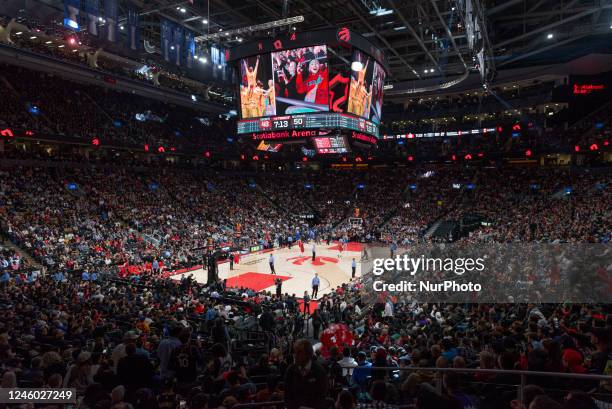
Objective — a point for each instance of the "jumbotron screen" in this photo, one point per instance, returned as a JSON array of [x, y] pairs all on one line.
[[298, 89], [284, 83]]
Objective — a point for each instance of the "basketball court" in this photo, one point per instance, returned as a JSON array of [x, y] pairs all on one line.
[[295, 268]]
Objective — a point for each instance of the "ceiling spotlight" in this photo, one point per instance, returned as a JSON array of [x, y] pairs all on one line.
[[550, 36], [33, 38], [61, 46], [219, 66], [356, 66], [121, 27], [172, 47], [204, 21], [183, 10], [203, 60], [48, 42], [18, 33], [239, 39], [453, 8], [426, 71]]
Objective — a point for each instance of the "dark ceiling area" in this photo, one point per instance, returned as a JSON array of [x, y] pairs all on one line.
[[422, 39]]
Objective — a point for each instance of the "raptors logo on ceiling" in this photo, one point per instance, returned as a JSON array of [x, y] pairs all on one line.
[[344, 35]]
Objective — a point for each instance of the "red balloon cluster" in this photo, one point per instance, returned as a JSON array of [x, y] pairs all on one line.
[[338, 335]]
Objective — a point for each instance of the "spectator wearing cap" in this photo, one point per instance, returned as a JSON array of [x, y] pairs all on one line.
[[129, 337], [79, 374]]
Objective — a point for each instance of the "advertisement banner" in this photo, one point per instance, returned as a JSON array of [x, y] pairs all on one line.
[[111, 19], [133, 30], [91, 10], [72, 10]]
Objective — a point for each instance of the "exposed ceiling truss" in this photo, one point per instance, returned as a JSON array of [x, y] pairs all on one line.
[[422, 39]]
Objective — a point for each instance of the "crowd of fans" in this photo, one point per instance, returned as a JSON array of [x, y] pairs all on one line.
[[48, 104], [153, 342], [73, 318]]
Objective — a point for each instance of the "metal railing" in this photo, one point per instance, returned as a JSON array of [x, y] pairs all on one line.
[[521, 374]]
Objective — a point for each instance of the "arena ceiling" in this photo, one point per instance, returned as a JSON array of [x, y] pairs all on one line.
[[422, 39]]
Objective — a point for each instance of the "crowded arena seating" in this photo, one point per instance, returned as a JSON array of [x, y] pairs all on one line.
[[120, 340], [54, 106], [98, 244]]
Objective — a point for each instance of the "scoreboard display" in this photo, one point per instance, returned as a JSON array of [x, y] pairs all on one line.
[[302, 86], [331, 145], [328, 120]]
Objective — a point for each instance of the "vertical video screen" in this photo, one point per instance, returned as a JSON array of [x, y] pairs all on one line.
[[378, 83], [301, 80], [360, 89], [257, 92]]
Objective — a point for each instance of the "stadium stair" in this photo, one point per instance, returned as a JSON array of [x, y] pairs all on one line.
[[431, 230], [94, 103], [273, 202], [31, 261], [17, 94]]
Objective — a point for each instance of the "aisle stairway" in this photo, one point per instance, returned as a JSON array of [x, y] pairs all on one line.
[[5, 242]]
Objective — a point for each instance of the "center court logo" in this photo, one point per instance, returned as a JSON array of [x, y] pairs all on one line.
[[318, 261]]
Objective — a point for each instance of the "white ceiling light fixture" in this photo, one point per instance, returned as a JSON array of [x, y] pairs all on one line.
[[550, 36], [204, 21], [356, 66]]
